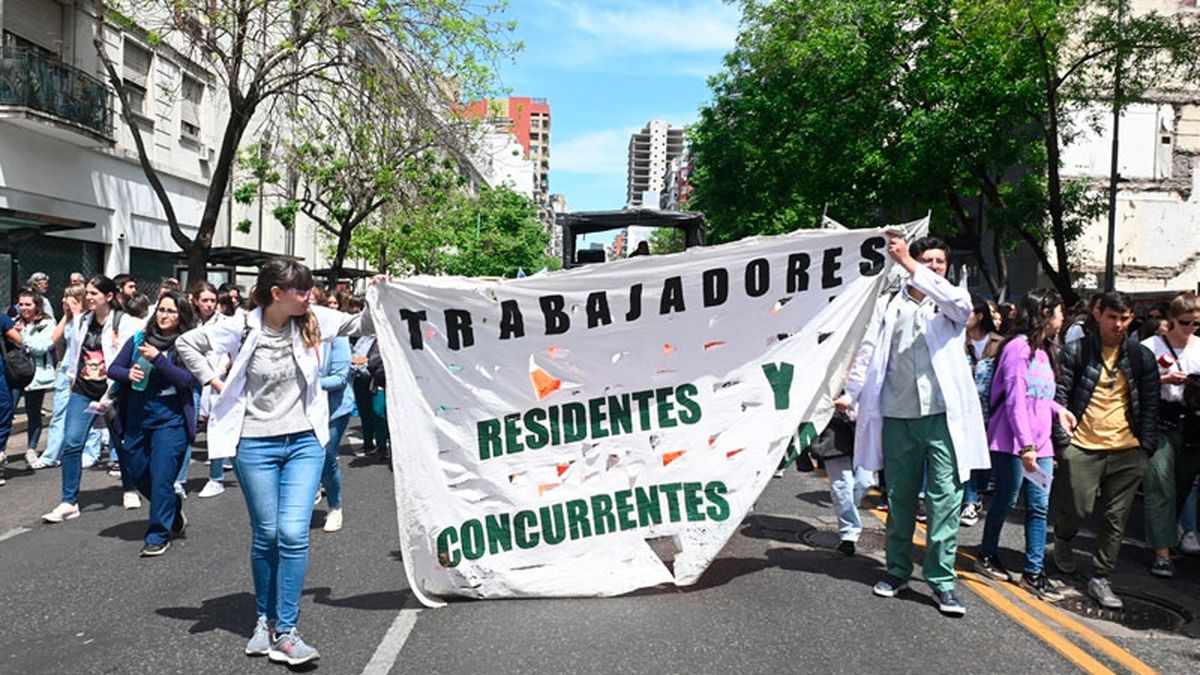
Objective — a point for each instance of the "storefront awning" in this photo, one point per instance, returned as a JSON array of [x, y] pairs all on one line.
[[17, 225], [237, 256]]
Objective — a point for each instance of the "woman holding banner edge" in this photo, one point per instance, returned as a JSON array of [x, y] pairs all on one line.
[[271, 415]]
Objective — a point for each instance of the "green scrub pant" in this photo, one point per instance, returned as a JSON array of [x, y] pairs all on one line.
[[1168, 479], [912, 448]]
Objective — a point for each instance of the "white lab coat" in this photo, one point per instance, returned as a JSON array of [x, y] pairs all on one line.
[[229, 407], [110, 342], [944, 327]]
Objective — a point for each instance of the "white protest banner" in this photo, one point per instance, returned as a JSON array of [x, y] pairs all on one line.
[[600, 430]]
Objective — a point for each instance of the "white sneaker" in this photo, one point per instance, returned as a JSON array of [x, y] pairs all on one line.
[[88, 461], [31, 457], [131, 500], [180, 491], [63, 511], [211, 489], [1190, 544], [333, 520]]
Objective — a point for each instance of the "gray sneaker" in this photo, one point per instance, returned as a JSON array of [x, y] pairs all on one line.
[[1102, 592], [1064, 556], [260, 642], [291, 649]]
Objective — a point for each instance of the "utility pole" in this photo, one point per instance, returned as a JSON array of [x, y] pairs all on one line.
[[1110, 280]]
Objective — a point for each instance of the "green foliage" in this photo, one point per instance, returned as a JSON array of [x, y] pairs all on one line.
[[882, 110], [244, 226], [665, 240], [493, 233]]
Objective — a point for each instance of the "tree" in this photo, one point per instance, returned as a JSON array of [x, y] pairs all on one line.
[[885, 109], [493, 233], [274, 49]]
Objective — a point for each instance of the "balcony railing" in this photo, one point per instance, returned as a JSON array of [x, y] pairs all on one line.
[[34, 80]]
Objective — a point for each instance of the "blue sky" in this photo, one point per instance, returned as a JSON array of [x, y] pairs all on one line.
[[607, 67]]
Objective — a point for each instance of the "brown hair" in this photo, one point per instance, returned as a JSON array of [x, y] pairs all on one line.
[[287, 273], [1184, 303]]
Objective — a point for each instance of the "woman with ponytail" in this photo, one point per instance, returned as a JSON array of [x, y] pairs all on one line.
[[271, 415], [1019, 431], [156, 415]]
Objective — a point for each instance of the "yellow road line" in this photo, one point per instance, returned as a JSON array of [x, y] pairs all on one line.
[[1081, 659]]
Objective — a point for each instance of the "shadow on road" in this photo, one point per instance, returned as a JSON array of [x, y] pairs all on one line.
[[134, 530], [227, 613], [384, 600]]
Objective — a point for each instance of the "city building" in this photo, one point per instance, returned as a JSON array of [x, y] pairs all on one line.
[[528, 120], [678, 181], [650, 152], [73, 196]]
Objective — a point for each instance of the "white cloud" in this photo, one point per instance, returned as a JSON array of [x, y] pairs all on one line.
[[642, 26], [602, 152]]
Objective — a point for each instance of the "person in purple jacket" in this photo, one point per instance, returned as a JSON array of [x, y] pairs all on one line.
[[156, 414], [1019, 437]]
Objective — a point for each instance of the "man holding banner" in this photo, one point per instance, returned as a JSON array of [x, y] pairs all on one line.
[[919, 415]]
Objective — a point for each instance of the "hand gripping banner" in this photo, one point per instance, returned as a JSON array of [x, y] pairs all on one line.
[[600, 430]]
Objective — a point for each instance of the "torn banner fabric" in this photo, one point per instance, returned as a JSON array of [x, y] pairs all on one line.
[[605, 429]]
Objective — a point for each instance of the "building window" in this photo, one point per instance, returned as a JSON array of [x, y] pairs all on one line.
[[189, 114], [136, 75]]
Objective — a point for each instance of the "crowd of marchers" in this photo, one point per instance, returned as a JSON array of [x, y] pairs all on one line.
[[953, 397], [269, 382]]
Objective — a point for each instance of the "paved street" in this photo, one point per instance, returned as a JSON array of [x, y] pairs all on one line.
[[78, 599]]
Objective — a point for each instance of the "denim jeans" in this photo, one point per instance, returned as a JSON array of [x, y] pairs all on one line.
[[52, 455], [34, 399], [379, 410], [279, 476], [847, 486], [1187, 513], [7, 406], [366, 414], [975, 485], [150, 458], [75, 434], [1010, 483], [331, 476]]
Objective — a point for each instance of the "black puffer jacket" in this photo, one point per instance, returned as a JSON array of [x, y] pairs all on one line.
[[1079, 372]]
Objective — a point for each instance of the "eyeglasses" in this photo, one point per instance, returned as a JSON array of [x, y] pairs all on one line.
[[1189, 324], [167, 310]]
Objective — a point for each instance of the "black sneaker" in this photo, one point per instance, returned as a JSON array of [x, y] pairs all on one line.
[[949, 604], [846, 548], [151, 550], [990, 567], [180, 524], [889, 586], [1041, 586]]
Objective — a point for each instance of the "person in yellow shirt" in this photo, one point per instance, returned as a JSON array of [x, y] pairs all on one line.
[[1110, 383]]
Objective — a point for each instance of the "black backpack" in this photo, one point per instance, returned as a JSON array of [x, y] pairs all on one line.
[[18, 365]]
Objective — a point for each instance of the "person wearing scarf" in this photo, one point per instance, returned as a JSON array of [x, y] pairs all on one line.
[[157, 417]]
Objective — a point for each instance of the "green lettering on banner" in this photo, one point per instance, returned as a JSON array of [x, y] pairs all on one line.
[[577, 519], [473, 546], [555, 436], [642, 398], [522, 522], [602, 516], [624, 499], [537, 437], [499, 533], [596, 418], [553, 531], [719, 507], [649, 510], [692, 501], [672, 492], [512, 433], [445, 539], [490, 444], [685, 395], [574, 422], [662, 400], [780, 378], [618, 415]]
